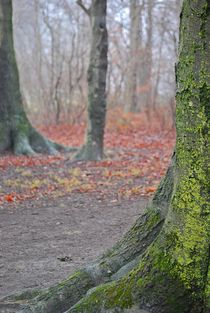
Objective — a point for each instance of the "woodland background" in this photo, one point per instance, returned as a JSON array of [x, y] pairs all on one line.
[[143, 38]]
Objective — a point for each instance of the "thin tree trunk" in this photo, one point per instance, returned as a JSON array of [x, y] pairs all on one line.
[[131, 104], [158, 73], [93, 147]]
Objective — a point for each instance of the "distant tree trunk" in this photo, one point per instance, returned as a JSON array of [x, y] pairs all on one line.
[[148, 54], [131, 104], [93, 147], [140, 63], [162, 264], [16, 132], [158, 73]]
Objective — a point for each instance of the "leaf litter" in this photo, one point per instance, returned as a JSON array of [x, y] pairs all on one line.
[[57, 214]]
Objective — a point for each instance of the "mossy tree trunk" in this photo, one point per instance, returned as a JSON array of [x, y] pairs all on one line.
[[162, 263], [97, 71], [16, 132]]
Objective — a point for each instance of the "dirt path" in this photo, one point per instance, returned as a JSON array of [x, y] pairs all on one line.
[[57, 215], [40, 245]]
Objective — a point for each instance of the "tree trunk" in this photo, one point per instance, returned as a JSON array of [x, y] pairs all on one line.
[[145, 64], [16, 132], [162, 264], [135, 36], [93, 147]]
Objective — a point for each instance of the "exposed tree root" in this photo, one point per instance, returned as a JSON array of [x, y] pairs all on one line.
[[112, 265], [13, 303], [156, 284], [144, 287], [89, 152], [23, 139]]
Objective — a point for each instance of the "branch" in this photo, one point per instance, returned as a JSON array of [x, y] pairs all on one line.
[[80, 3]]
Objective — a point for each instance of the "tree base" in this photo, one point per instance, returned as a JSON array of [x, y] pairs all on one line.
[[89, 152], [112, 266], [23, 139]]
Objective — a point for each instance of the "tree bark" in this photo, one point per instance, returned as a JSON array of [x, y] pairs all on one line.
[[145, 68], [16, 132], [135, 36], [93, 147], [162, 264]]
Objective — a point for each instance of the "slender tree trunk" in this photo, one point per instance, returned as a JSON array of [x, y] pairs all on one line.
[[158, 72], [93, 147], [131, 104], [16, 132], [148, 56], [162, 263]]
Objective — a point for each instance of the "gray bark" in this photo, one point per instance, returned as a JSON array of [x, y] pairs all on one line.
[[134, 52], [93, 147]]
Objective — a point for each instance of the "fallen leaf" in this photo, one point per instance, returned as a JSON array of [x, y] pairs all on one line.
[[150, 189], [9, 198]]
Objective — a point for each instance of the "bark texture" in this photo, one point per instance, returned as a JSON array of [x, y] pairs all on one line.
[[135, 35], [16, 132], [138, 81], [162, 264], [93, 147]]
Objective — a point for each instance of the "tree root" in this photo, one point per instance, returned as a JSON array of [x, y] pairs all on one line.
[[155, 284], [12, 303], [142, 288], [89, 152], [112, 265], [23, 139], [41, 144]]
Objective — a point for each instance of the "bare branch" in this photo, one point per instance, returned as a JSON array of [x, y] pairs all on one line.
[[80, 3]]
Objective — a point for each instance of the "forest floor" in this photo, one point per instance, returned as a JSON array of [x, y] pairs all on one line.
[[57, 214]]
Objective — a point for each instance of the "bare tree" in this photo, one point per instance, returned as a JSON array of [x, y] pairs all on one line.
[[53, 75], [93, 147], [135, 35]]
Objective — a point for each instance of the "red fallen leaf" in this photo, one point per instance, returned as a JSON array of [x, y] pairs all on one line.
[[9, 198], [150, 189]]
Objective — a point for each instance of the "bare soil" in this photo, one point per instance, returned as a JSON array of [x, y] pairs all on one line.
[[42, 242]]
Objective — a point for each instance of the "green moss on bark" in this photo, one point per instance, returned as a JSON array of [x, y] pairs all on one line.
[[207, 290], [61, 297], [106, 298]]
